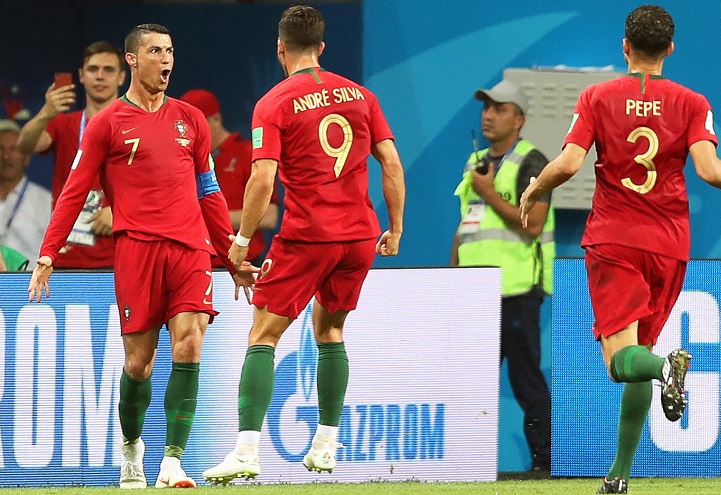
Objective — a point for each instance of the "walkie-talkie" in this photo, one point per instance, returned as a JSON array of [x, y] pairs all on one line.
[[481, 165]]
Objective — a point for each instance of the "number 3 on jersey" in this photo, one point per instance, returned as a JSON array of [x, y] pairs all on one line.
[[341, 152], [645, 159]]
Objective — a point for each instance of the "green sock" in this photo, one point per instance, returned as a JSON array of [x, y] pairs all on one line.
[[181, 397], [134, 401], [256, 387], [635, 363], [635, 402], [332, 382]]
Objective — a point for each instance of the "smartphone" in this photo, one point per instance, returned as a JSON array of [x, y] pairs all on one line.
[[63, 79]]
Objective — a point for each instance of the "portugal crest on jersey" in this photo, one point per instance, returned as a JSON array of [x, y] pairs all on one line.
[[180, 126]]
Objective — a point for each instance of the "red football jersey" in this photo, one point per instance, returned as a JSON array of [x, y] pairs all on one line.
[[148, 163], [64, 130], [642, 126], [320, 127], [232, 167]]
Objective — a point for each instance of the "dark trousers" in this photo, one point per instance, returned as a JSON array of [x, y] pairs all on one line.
[[521, 346]]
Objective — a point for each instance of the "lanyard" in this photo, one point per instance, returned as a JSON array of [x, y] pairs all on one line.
[[81, 131], [506, 155], [18, 201]]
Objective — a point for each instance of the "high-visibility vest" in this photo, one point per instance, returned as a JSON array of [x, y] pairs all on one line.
[[525, 261]]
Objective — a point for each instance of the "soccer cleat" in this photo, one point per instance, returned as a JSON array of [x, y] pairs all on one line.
[[233, 466], [322, 458], [616, 485], [132, 474], [174, 477], [673, 395]]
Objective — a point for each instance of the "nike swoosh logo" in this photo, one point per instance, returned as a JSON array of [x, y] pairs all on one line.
[[205, 301], [128, 130]]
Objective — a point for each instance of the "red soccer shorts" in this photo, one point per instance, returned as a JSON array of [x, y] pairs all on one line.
[[628, 284], [156, 280], [293, 272]]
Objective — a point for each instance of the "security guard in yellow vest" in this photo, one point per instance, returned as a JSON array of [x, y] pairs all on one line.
[[490, 234]]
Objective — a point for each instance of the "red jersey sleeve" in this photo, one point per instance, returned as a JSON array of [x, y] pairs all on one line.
[[201, 151], [88, 160], [701, 126], [266, 134], [212, 203], [582, 130]]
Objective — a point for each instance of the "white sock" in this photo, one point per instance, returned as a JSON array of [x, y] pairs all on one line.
[[247, 443], [169, 463], [323, 435]]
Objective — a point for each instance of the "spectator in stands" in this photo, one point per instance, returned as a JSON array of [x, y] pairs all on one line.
[[231, 154], [24, 205], [54, 129]]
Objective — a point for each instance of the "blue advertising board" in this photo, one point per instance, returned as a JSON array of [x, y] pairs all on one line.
[[586, 402], [407, 414]]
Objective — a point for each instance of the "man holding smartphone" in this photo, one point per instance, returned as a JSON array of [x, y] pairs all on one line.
[[490, 234], [54, 129]]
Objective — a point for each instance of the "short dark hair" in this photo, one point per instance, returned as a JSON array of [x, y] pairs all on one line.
[[650, 29], [134, 39], [301, 27], [102, 47]]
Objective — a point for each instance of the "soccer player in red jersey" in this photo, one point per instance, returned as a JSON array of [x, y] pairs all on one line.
[[637, 237], [153, 156], [317, 129], [232, 156], [55, 130]]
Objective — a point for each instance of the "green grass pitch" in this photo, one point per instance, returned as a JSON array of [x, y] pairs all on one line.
[[557, 486]]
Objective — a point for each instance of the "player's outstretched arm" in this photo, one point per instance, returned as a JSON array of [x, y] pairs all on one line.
[[394, 192], [558, 171], [707, 164], [215, 214], [258, 193], [245, 278], [40, 281]]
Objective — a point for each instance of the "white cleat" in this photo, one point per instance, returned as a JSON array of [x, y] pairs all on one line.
[[321, 456], [132, 475], [233, 466], [174, 477]]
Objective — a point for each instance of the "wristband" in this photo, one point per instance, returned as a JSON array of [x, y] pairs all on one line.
[[241, 240]]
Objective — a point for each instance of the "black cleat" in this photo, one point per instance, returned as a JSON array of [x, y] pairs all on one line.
[[673, 395], [616, 485]]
